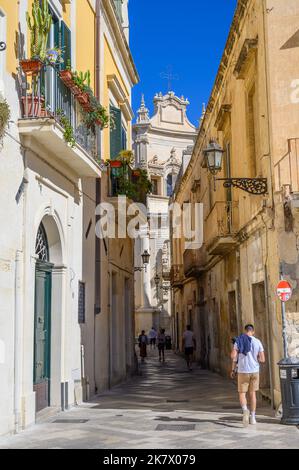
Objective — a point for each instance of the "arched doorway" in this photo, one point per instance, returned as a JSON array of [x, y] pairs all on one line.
[[42, 321]]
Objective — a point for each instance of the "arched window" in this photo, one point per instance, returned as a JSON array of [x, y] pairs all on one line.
[[41, 244], [169, 185]]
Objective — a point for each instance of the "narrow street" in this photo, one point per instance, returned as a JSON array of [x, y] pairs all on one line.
[[164, 407]]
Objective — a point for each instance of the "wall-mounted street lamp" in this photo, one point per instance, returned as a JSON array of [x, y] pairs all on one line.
[[145, 259], [214, 156], [2, 46]]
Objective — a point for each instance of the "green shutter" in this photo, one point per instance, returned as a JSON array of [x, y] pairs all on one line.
[[65, 42], [115, 133], [56, 32]]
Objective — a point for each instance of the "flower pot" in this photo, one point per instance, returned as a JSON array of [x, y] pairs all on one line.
[[115, 164], [75, 90], [33, 107], [99, 123], [83, 99], [67, 78], [31, 65]]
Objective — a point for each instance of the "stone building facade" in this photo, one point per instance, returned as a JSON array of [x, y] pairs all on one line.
[[161, 143], [249, 240], [66, 296]]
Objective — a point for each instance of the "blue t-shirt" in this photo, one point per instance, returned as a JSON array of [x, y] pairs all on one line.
[[249, 364]]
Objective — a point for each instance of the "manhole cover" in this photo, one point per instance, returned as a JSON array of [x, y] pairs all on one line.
[[70, 421], [177, 401], [175, 427]]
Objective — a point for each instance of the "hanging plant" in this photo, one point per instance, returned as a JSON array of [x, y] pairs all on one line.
[[4, 118], [96, 116], [68, 133]]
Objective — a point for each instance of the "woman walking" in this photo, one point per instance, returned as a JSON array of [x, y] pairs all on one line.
[[143, 342]]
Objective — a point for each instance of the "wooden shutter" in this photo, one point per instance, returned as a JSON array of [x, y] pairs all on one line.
[[65, 41], [115, 133]]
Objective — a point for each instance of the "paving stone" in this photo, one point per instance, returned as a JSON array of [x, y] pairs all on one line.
[[168, 395]]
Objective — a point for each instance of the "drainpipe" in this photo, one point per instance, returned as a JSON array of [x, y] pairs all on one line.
[[97, 299], [18, 339]]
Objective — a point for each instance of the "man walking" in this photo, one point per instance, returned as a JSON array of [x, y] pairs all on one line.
[[189, 344], [153, 337], [161, 345], [248, 352]]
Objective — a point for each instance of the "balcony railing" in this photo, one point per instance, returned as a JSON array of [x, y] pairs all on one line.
[[177, 275], [123, 182], [195, 262], [221, 227], [46, 96]]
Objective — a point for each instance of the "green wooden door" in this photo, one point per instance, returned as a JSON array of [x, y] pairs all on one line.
[[42, 335]]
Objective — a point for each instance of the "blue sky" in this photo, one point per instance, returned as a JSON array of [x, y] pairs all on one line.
[[188, 36]]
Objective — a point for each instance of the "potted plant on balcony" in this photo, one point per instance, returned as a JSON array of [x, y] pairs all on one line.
[[82, 83], [39, 26], [66, 75], [97, 115], [54, 56], [115, 164]]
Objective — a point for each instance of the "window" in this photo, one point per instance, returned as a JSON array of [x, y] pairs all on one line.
[[123, 138], [251, 131], [116, 133], [81, 303], [169, 185], [118, 7], [154, 182]]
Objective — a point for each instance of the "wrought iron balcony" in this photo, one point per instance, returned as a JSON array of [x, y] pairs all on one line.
[[195, 262], [221, 227], [177, 276], [45, 96]]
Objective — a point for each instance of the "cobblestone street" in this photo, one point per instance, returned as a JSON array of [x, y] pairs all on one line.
[[165, 407]]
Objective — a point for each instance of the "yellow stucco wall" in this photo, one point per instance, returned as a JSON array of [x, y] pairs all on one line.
[[66, 15], [85, 38], [110, 68], [10, 10]]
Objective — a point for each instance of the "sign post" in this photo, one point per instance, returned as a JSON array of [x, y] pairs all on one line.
[[284, 292]]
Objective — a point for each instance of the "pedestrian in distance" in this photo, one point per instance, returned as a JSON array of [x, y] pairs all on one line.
[[248, 353], [189, 345], [161, 345], [143, 342], [153, 337]]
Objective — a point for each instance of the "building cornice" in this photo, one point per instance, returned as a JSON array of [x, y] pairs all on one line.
[[116, 88], [121, 40]]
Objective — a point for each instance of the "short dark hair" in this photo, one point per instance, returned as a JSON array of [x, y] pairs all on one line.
[[249, 327], [188, 327]]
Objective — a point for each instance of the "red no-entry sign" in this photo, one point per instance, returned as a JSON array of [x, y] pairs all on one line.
[[284, 291]]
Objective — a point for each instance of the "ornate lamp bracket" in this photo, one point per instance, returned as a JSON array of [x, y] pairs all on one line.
[[2, 46], [256, 186]]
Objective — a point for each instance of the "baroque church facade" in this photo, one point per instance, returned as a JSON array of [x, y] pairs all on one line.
[[163, 145]]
